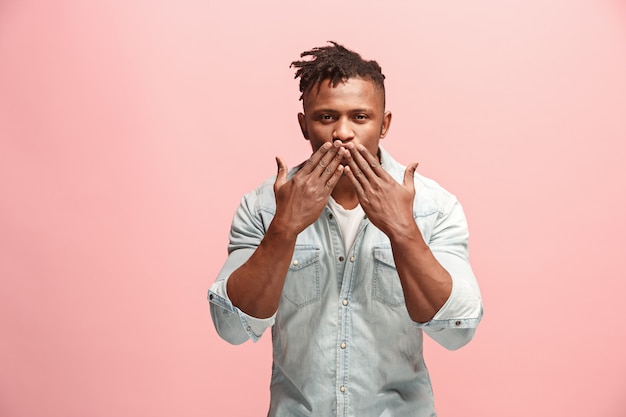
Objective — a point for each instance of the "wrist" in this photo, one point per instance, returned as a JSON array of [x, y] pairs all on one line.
[[282, 230], [407, 235]]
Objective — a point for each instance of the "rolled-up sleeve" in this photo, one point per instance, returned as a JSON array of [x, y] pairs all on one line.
[[247, 231], [232, 324], [455, 323]]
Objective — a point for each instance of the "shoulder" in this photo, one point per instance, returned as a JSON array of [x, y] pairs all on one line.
[[431, 197], [262, 198]]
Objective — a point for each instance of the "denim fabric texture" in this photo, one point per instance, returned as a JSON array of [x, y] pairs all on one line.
[[343, 341]]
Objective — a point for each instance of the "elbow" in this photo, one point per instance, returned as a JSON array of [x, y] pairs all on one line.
[[451, 339], [231, 337], [228, 326], [456, 333], [234, 341], [421, 315], [461, 338]]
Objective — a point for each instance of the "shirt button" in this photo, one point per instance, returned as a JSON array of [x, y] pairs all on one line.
[[248, 328], [330, 216], [341, 259], [344, 302], [342, 345], [210, 296], [342, 388], [295, 262], [457, 323], [352, 259]]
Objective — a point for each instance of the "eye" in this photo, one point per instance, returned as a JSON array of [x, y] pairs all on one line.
[[326, 117], [361, 117]]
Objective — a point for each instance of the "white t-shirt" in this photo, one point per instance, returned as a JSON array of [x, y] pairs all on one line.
[[348, 221]]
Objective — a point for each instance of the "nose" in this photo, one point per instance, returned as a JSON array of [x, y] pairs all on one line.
[[342, 130]]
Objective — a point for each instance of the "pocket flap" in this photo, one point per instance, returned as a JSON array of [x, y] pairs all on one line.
[[384, 255], [304, 255]]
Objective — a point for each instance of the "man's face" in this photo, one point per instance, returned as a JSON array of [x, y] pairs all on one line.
[[352, 111]]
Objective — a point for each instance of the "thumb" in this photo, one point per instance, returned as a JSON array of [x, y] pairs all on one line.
[[281, 176], [409, 175]]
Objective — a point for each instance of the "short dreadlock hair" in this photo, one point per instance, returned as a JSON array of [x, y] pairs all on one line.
[[336, 64]]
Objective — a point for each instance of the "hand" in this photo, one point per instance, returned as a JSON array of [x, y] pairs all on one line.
[[301, 199], [388, 204]]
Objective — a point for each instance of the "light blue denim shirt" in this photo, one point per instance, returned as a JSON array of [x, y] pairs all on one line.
[[343, 342]]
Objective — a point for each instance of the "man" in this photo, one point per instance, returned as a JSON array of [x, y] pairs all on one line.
[[349, 258]]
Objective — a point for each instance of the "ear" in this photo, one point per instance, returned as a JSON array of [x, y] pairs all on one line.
[[386, 123], [302, 122]]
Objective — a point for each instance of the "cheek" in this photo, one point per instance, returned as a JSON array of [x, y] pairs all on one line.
[[370, 133], [315, 143], [321, 134]]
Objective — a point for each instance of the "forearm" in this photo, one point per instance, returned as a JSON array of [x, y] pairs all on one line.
[[255, 287], [426, 284]]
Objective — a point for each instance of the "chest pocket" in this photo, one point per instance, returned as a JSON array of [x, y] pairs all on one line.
[[386, 287], [302, 284]]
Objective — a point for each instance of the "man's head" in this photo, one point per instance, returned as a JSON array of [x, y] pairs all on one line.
[[343, 97]]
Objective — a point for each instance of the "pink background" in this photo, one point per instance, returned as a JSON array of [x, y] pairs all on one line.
[[129, 131]]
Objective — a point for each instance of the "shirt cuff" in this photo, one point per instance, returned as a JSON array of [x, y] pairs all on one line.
[[253, 326]]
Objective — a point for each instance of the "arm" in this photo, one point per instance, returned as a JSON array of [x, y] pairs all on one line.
[[426, 284], [455, 323], [434, 278], [255, 287]]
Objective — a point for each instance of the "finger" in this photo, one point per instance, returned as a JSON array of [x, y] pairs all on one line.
[[281, 176], [409, 176], [328, 163], [332, 181], [335, 162], [355, 172], [356, 183], [362, 166], [369, 163], [315, 159]]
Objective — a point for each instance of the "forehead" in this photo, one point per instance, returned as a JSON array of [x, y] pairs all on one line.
[[357, 92]]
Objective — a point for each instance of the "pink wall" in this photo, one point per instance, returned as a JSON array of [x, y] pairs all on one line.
[[129, 131]]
